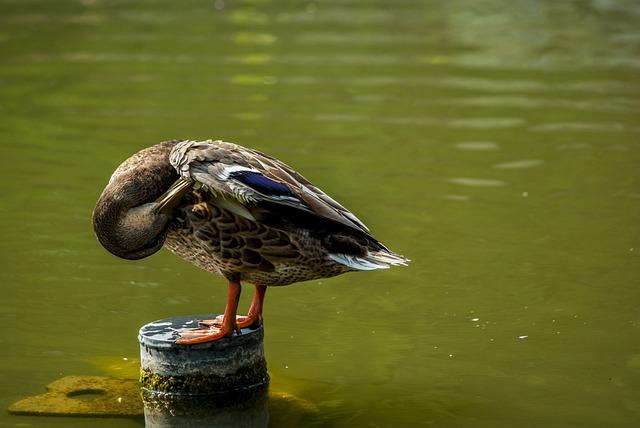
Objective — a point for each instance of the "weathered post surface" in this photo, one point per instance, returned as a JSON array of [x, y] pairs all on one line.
[[228, 365]]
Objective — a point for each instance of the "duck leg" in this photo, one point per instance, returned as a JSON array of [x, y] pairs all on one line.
[[253, 317], [215, 332]]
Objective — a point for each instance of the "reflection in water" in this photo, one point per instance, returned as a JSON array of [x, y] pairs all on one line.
[[204, 412], [257, 409]]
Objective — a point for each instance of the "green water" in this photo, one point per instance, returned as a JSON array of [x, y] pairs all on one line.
[[497, 145]]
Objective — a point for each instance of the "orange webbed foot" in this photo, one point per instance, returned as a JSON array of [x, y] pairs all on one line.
[[201, 335], [241, 321]]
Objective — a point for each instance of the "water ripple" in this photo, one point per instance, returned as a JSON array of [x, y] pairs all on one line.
[[359, 38], [583, 127], [537, 103], [452, 197], [519, 164], [486, 122], [476, 182], [477, 145], [494, 84]]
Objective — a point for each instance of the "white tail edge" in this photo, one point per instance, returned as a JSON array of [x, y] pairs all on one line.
[[377, 260]]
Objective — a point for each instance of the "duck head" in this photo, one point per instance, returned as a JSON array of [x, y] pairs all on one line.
[[132, 216]]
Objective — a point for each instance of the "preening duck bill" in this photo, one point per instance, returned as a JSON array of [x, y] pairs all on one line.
[[169, 199]]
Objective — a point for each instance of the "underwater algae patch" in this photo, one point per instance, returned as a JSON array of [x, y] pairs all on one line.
[[101, 396], [84, 396]]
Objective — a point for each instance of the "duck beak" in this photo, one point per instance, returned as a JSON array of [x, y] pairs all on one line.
[[170, 198]]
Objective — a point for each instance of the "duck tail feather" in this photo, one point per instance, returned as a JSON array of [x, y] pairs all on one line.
[[370, 261]]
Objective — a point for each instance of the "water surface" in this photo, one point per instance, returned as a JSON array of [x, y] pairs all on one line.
[[495, 146]]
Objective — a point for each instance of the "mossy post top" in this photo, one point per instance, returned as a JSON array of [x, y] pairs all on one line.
[[229, 364]]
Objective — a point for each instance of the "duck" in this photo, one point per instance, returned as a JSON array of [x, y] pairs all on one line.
[[234, 212]]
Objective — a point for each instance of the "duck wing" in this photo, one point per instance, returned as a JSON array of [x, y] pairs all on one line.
[[249, 176]]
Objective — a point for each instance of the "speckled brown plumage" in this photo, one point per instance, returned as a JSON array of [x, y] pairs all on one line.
[[223, 243]]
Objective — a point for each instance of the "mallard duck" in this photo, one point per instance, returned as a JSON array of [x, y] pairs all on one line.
[[234, 212]]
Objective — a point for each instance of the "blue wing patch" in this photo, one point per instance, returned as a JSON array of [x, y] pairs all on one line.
[[262, 184]]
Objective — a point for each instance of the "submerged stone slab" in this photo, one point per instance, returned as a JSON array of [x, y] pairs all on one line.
[[84, 396], [98, 396], [227, 365]]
